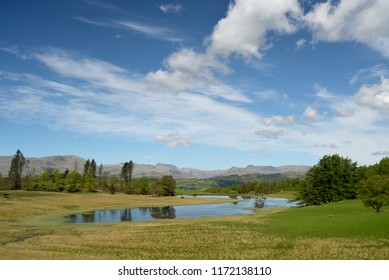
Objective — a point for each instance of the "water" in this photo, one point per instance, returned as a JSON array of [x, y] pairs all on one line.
[[174, 212]]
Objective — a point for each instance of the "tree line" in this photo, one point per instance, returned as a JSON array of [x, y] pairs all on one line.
[[259, 187], [91, 179], [333, 178]]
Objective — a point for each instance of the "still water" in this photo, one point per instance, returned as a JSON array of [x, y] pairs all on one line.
[[243, 206]]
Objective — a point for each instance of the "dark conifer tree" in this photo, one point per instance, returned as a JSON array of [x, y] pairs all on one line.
[[16, 170]]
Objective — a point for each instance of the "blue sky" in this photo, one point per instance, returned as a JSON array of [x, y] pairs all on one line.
[[205, 84]]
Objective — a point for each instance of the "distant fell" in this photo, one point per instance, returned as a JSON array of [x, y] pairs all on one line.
[[72, 162], [37, 165]]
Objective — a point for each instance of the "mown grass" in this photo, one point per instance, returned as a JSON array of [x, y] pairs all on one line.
[[31, 227]]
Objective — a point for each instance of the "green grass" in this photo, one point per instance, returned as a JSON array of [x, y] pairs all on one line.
[[348, 219], [32, 227]]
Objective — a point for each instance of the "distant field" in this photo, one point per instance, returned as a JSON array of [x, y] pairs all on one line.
[[32, 227]]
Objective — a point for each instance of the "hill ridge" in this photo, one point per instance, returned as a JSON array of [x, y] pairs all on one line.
[[71, 162]]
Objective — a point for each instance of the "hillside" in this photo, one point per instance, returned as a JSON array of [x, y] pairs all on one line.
[[148, 170], [40, 164]]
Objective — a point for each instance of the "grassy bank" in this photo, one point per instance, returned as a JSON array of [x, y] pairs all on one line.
[[32, 227]]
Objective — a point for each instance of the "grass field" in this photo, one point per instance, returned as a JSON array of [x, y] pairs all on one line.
[[32, 227]]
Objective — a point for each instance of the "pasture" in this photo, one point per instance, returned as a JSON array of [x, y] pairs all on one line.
[[32, 226]]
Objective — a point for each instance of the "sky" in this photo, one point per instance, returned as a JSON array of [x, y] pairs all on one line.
[[195, 83]]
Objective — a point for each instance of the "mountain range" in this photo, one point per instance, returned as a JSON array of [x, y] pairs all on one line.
[[148, 170]]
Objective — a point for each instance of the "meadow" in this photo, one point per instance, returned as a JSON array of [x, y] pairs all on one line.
[[32, 226]]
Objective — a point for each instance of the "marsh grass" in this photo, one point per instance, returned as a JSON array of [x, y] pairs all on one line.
[[32, 227]]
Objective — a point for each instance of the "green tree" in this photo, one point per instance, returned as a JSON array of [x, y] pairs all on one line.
[[89, 182], [44, 183], [113, 184], [73, 181], [374, 191], [93, 168], [332, 179], [16, 170], [140, 186], [126, 173], [164, 187], [58, 180], [87, 166], [101, 174], [89, 175], [383, 167]]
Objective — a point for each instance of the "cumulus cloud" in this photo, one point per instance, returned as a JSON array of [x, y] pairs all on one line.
[[363, 21], [311, 115], [375, 96], [243, 31], [278, 120], [174, 140], [186, 70]]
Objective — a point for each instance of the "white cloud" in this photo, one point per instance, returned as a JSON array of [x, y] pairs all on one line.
[[157, 32], [363, 21], [311, 115], [323, 93], [270, 134], [327, 146], [171, 8], [243, 31], [300, 43], [268, 94], [162, 33], [175, 80], [187, 70], [343, 111], [375, 96], [278, 120], [174, 140], [96, 97], [91, 96]]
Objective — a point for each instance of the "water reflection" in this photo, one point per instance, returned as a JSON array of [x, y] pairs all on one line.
[[244, 206], [167, 212]]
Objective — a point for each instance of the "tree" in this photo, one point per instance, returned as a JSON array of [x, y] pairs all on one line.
[[140, 186], [101, 174], [86, 168], [73, 181], [89, 175], [383, 167], [332, 179], [164, 187], [16, 170], [127, 175], [93, 168], [44, 183], [59, 180], [124, 172], [374, 191]]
